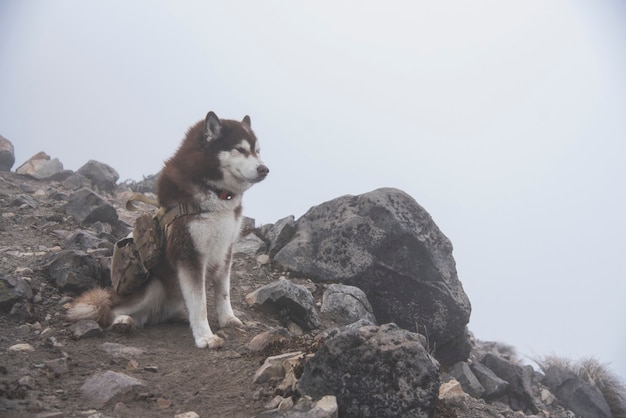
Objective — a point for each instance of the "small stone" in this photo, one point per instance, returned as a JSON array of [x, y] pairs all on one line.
[[286, 404], [288, 385], [86, 328], [132, 365], [263, 340], [189, 414], [55, 414], [463, 374], [21, 347], [294, 329], [119, 350], [121, 410], [547, 397], [328, 404], [57, 367], [273, 404], [24, 271], [163, 403], [231, 354], [450, 389], [273, 367], [347, 304], [284, 295], [27, 381], [46, 332], [107, 387], [152, 369], [64, 300], [263, 259]]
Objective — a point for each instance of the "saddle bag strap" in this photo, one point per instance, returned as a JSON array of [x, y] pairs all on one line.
[[139, 197], [165, 216]]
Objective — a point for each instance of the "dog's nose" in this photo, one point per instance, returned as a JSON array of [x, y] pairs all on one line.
[[262, 170]]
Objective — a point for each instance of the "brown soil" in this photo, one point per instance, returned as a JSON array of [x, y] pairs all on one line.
[[178, 376]]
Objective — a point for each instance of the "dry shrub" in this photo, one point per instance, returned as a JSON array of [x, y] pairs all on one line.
[[595, 373]]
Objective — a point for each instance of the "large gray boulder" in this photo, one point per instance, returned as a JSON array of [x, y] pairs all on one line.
[[102, 176], [374, 372], [7, 154], [386, 244]]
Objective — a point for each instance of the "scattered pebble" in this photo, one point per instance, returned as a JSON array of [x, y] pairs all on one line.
[[21, 347], [189, 414]]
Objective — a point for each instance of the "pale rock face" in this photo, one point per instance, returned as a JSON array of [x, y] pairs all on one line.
[[40, 167]]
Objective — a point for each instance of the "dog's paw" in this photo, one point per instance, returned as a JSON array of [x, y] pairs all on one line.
[[232, 322], [123, 324], [212, 342]]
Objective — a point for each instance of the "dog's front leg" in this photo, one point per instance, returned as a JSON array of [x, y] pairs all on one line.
[[221, 286], [192, 285]]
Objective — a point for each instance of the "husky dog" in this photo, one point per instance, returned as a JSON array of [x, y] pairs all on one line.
[[216, 163]]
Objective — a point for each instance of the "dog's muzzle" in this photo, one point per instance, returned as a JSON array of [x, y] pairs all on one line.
[[262, 172]]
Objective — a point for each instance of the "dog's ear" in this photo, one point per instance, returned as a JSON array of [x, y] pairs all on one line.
[[212, 126], [246, 122]]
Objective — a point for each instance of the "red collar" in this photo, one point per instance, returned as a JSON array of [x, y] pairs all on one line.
[[225, 194], [222, 194]]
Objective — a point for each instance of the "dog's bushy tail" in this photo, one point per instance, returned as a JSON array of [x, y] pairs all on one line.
[[95, 304]]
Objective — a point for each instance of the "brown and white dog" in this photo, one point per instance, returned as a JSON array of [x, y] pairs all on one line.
[[216, 163]]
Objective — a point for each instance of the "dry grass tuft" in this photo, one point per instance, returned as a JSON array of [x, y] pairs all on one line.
[[598, 374]]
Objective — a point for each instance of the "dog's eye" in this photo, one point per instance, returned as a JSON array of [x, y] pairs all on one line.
[[241, 150]]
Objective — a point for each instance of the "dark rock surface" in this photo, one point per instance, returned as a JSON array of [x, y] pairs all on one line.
[[76, 271], [520, 391], [493, 385], [374, 372], [7, 154], [387, 245], [347, 304], [582, 398], [103, 177], [88, 207], [288, 298]]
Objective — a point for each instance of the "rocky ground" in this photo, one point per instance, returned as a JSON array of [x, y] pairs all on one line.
[[49, 368], [44, 364]]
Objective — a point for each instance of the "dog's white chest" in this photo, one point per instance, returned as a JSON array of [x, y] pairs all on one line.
[[213, 235]]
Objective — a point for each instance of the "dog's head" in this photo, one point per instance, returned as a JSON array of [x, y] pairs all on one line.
[[237, 150]]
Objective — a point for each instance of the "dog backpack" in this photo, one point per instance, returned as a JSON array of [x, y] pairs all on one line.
[[127, 271], [134, 258]]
